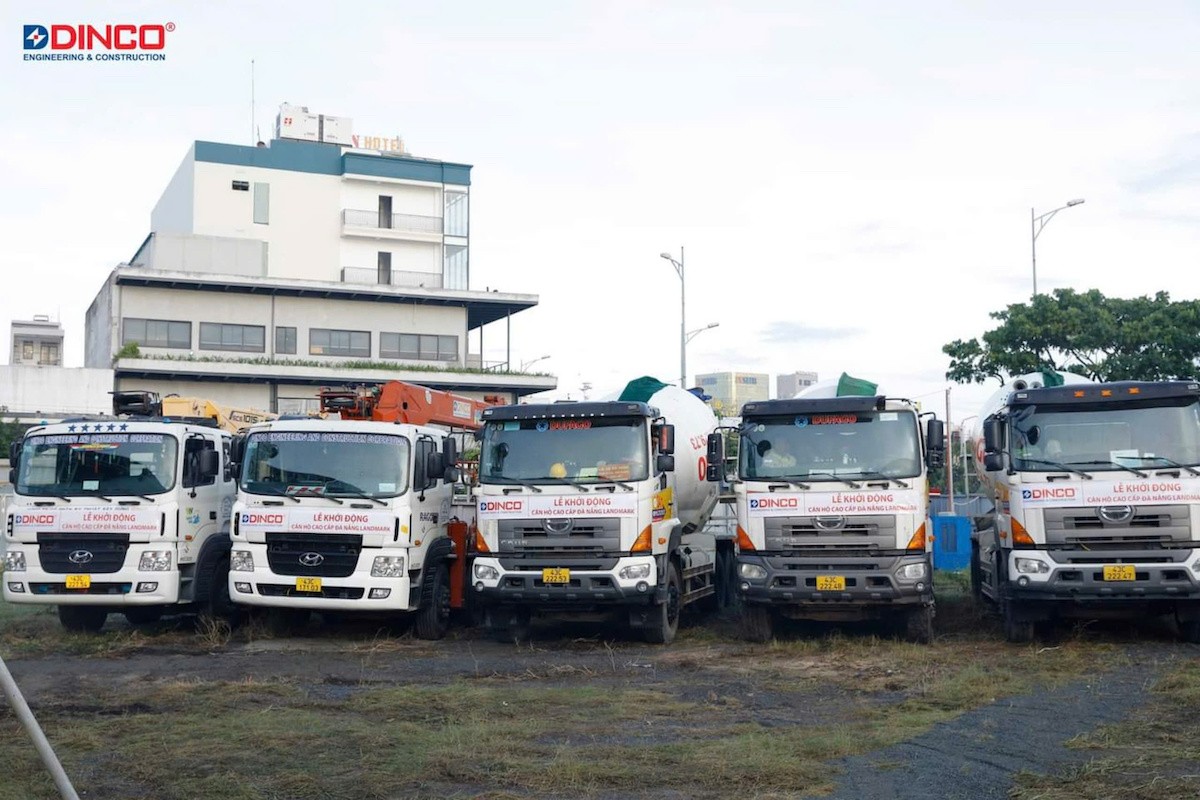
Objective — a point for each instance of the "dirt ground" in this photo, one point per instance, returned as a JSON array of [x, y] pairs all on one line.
[[823, 711]]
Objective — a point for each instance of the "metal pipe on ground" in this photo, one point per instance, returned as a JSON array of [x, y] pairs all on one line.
[[40, 742]]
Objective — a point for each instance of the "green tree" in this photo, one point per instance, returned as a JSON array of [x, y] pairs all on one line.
[[1104, 338], [10, 431]]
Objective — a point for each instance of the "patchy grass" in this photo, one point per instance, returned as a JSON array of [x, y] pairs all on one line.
[[1154, 755]]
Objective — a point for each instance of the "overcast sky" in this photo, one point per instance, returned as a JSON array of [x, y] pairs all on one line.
[[852, 181]]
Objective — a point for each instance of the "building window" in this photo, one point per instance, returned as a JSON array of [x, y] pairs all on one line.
[[157, 333], [244, 338], [262, 203], [456, 220], [384, 269], [285, 340], [385, 211], [455, 274], [418, 347], [328, 342], [27, 351], [49, 354]]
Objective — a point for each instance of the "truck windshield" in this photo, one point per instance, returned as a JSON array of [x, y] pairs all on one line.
[[325, 463], [1109, 437], [820, 446], [594, 450], [97, 464]]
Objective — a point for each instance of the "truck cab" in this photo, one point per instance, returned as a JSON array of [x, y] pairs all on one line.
[[832, 507], [345, 515], [119, 514]]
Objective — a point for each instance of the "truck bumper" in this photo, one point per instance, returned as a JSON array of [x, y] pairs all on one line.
[[127, 586], [492, 585], [358, 591], [1086, 583], [786, 580]]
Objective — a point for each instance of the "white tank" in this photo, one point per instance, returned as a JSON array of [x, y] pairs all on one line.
[[695, 497]]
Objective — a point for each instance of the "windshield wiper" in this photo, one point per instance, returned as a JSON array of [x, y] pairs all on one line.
[[576, 484], [622, 484], [1125, 467], [846, 481], [522, 481], [787, 482], [1063, 467], [874, 473], [354, 491], [1165, 460], [277, 492]]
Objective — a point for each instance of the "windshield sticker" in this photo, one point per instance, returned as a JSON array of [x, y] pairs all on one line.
[[801, 422], [1126, 458], [334, 438], [109, 439], [91, 486], [512, 426], [889, 416], [834, 419], [302, 489], [570, 424], [387, 487], [614, 472], [542, 426], [93, 446]]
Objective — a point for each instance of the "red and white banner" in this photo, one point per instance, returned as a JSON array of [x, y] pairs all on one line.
[[104, 519], [852, 501], [317, 520], [574, 505], [1133, 492]]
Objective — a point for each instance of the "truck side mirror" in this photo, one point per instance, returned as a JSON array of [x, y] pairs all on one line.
[[210, 464], [666, 440], [237, 449], [993, 435], [993, 462], [434, 466], [450, 471], [935, 444], [14, 452], [664, 463], [716, 458], [12, 477]]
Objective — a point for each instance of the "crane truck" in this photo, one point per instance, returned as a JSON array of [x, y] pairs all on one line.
[[832, 505], [126, 514], [1096, 489], [596, 508], [354, 513]]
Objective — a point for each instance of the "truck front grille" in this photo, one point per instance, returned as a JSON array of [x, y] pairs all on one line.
[[567, 536], [1149, 527], [319, 555], [848, 536], [64, 553]]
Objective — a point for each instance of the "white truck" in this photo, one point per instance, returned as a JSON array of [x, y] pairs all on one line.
[[126, 514], [1097, 502], [353, 514], [596, 508], [832, 507]]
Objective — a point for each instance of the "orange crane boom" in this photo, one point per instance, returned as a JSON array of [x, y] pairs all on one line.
[[397, 401]]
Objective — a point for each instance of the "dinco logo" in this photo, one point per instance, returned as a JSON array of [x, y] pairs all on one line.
[[119, 42], [774, 502], [501, 505], [33, 519], [1055, 493], [262, 519]]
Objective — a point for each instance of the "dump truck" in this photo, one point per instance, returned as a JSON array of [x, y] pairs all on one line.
[[1096, 489], [124, 514], [832, 509], [596, 508], [354, 513]]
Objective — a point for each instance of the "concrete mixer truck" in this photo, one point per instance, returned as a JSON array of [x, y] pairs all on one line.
[[832, 506], [1097, 502], [589, 508]]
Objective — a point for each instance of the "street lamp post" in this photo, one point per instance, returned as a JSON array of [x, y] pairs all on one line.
[[693, 334], [682, 316], [1036, 223], [526, 364]]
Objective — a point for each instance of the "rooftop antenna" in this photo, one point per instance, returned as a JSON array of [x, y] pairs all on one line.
[[253, 127]]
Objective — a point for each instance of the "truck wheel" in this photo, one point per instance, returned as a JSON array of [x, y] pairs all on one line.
[[1190, 631], [726, 578], [143, 615], [665, 623], [1016, 631], [757, 623], [433, 616], [918, 625], [976, 574], [218, 605], [89, 619]]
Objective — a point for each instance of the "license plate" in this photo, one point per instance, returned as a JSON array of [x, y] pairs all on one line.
[[1120, 572], [831, 583], [79, 581], [556, 575], [308, 584]]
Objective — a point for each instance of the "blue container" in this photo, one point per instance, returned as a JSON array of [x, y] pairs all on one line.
[[951, 542]]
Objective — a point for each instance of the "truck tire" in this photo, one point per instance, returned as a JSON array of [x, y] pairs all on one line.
[[433, 615], [1015, 630], [87, 619], [726, 578], [1189, 631], [143, 615], [976, 574], [218, 605], [663, 626], [757, 623], [918, 625]]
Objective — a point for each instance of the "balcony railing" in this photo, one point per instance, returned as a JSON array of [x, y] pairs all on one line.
[[366, 275], [403, 223]]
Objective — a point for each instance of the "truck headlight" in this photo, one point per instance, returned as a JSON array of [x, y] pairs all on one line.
[[241, 561], [155, 561], [634, 572], [486, 572], [752, 572], [388, 567], [912, 572], [14, 561], [1032, 566]]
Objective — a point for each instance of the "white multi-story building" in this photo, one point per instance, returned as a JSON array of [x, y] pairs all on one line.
[[792, 384], [37, 341], [273, 270], [732, 390]]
